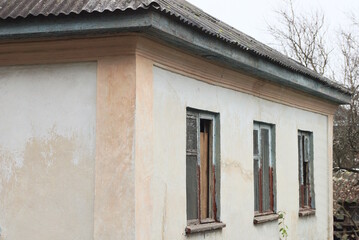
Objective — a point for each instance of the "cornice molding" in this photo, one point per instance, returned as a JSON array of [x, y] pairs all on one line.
[[163, 56], [203, 70]]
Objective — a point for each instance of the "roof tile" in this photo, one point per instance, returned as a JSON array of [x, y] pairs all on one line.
[[186, 12]]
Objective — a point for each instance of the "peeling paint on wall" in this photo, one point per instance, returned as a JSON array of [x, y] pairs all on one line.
[[47, 151], [172, 94]]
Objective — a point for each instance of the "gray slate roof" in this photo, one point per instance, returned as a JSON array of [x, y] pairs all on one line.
[[183, 10], [25, 8]]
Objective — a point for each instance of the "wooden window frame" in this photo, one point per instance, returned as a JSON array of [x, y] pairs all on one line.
[[212, 222], [306, 162], [261, 215]]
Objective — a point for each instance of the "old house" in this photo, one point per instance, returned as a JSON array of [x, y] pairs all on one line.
[[150, 119]]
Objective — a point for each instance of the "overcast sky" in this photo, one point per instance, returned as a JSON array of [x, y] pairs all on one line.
[[252, 16]]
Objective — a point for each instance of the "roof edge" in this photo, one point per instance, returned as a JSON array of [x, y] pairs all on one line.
[[214, 49], [171, 30]]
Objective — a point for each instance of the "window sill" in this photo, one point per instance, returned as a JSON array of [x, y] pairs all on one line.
[[258, 219], [303, 212], [204, 227]]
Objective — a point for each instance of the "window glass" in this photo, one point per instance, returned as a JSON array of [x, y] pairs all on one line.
[[305, 160], [263, 165], [202, 166]]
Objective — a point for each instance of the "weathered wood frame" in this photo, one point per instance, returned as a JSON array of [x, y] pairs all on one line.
[[302, 135], [272, 170], [214, 172]]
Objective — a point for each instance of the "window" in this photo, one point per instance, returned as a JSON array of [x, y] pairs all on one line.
[[305, 156], [264, 169], [202, 171]]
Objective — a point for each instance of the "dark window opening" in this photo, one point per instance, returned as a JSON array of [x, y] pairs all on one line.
[[263, 168], [202, 168], [205, 139], [305, 156]]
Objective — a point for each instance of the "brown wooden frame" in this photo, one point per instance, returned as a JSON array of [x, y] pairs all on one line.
[[305, 173], [258, 159], [211, 121]]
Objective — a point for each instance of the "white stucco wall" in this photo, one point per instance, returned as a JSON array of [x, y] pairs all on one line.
[[172, 94], [47, 151]]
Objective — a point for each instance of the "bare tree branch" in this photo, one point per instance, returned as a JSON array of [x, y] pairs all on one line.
[[335, 169], [302, 38]]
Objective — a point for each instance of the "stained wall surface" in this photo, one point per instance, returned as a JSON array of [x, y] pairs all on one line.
[[53, 118], [47, 151], [172, 94]]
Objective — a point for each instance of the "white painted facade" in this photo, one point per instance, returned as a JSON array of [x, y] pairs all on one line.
[[48, 144], [47, 151], [172, 94]]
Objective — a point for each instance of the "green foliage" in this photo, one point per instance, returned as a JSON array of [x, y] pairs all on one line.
[[283, 228]]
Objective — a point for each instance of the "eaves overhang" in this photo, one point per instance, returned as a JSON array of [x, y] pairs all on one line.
[[171, 30]]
